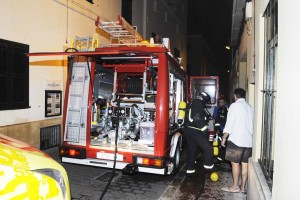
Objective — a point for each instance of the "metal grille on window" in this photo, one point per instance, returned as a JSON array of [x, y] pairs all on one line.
[[50, 137], [269, 92]]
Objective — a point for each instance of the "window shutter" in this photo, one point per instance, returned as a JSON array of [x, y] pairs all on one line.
[[14, 75]]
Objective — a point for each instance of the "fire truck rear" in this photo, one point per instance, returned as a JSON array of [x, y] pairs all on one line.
[[124, 97], [124, 103]]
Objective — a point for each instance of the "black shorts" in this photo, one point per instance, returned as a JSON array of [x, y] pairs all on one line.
[[237, 154]]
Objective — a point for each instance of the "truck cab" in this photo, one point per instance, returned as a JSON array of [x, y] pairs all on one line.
[[210, 85]]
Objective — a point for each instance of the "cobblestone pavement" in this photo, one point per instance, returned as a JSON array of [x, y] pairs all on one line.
[[213, 190], [87, 183]]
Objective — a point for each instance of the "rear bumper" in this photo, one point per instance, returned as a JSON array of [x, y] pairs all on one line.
[[110, 163]]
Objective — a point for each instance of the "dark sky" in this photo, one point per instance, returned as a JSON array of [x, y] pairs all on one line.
[[212, 19]]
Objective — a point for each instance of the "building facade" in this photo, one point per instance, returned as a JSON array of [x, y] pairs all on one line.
[[50, 26], [166, 19], [200, 56], [265, 64], [46, 26]]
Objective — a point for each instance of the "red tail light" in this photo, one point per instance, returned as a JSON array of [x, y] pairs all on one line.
[[157, 162], [72, 152]]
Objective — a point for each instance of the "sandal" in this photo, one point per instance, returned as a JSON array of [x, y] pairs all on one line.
[[227, 189], [244, 191]]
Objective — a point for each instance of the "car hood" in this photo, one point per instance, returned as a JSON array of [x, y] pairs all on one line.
[[19, 154]]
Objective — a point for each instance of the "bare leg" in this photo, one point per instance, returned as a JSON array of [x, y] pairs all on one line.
[[235, 175], [244, 175]]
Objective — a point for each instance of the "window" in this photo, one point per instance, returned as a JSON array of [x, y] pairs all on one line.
[[14, 75], [269, 101]]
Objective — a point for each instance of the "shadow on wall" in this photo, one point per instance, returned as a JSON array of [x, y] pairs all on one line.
[[52, 63]]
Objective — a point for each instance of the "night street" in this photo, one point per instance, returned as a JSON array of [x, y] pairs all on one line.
[[149, 99], [87, 183]]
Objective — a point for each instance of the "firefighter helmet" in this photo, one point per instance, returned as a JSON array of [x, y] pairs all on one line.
[[204, 97]]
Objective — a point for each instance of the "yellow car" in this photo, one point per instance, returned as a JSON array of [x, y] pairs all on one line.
[[27, 173]]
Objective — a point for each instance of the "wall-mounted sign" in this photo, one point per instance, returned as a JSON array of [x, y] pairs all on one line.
[[53, 85], [53, 99]]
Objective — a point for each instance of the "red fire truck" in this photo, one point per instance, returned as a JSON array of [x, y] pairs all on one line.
[[126, 97], [121, 107], [129, 98]]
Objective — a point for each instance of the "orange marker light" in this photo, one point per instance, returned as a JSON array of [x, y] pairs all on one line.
[[158, 162], [146, 161], [62, 152]]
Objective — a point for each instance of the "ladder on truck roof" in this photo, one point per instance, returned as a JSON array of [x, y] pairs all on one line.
[[120, 30], [88, 43]]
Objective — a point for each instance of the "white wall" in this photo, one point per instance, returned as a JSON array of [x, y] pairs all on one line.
[[258, 188], [243, 75], [286, 163], [286, 175], [246, 59], [257, 185], [250, 65], [258, 31], [252, 45], [44, 26]]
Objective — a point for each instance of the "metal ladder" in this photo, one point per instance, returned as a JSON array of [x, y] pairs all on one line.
[[77, 105], [85, 43], [120, 30]]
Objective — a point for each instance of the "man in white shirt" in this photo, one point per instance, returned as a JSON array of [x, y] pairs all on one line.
[[239, 130]]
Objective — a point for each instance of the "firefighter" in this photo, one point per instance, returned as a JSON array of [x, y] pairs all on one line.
[[220, 116], [196, 133]]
